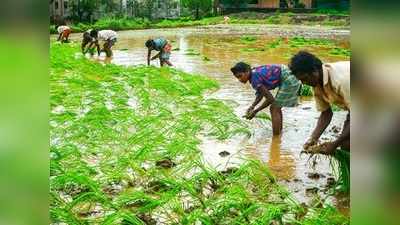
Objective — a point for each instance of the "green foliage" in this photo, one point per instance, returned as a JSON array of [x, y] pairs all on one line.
[[82, 10], [342, 158], [234, 3], [124, 23], [333, 12], [336, 108], [306, 90], [198, 7], [299, 41], [337, 51], [111, 125]]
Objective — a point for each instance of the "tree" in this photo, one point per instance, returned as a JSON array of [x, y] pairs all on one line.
[[215, 7], [198, 6], [235, 3], [82, 10], [148, 6], [110, 5]]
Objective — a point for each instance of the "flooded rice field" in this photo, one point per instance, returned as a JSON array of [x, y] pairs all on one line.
[[212, 51]]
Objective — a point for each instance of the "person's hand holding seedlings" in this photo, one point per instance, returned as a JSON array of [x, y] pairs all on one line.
[[266, 78]]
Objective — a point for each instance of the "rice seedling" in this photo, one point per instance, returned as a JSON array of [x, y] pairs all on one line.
[[299, 41], [336, 108], [306, 90], [124, 150], [337, 51], [274, 44], [340, 164], [248, 39], [205, 58]]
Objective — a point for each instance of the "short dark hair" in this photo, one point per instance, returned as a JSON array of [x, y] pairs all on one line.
[[149, 43], [94, 33], [240, 67], [304, 63]]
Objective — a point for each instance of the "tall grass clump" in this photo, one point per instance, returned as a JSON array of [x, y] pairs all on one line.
[[124, 150]]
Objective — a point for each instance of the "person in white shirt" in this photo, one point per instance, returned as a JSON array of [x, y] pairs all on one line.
[[107, 37], [64, 32], [331, 85]]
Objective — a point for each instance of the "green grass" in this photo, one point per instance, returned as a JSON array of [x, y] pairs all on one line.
[[306, 90], [299, 42], [337, 51], [110, 126], [290, 46], [248, 39], [342, 159], [139, 23]]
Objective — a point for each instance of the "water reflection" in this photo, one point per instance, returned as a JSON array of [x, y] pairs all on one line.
[[280, 162], [223, 49]]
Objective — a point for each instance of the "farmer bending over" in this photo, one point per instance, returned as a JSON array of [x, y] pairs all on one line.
[[163, 47], [88, 39], [108, 39], [64, 32], [331, 83], [263, 79]]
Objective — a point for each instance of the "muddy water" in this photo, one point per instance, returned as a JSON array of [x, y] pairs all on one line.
[[212, 51]]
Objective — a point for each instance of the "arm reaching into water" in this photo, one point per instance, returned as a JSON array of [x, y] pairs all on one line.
[[156, 56], [255, 103], [342, 141], [323, 122], [269, 99]]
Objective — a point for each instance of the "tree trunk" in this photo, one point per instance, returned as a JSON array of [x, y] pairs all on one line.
[[197, 13], [215, 9]]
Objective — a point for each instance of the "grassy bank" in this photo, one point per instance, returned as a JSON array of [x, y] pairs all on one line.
[[125, 150], [252, 18]]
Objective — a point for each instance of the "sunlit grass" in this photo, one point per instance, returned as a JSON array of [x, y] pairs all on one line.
[[111, 126]]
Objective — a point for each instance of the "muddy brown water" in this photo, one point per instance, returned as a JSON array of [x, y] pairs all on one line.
[[215, 50]]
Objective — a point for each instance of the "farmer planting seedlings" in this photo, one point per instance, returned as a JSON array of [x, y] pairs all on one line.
[[266, 78], [331, 85], [108, 39], [163, 46], [64, 32]]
